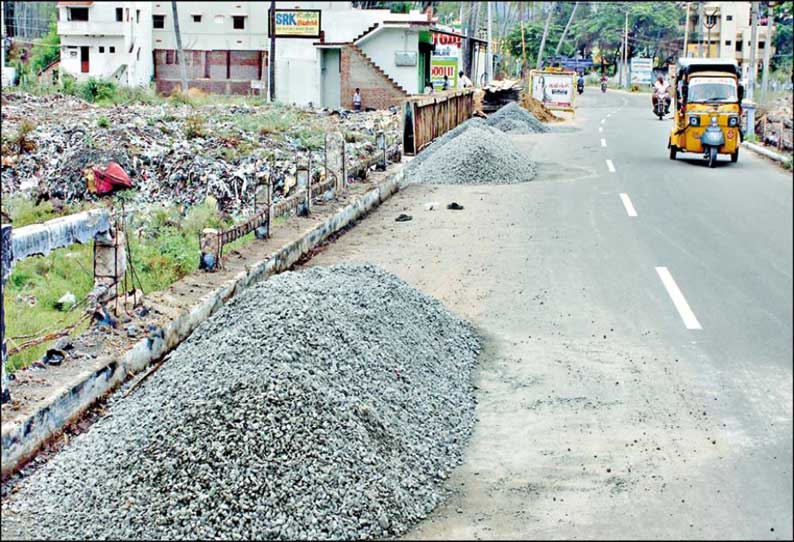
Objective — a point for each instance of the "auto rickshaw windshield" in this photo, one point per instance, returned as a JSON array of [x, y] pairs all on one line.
[[712, 89]]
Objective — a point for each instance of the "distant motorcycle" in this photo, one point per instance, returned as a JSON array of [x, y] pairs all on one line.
[[660, 105], [580, 87], [603, 86]]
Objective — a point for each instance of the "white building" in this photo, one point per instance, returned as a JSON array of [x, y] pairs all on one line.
[[226, 46]]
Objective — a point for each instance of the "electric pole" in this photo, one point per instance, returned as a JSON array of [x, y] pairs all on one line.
[[271, 57], [489, 52], [701, 15], [686, 31], [182, 66], [770, 29], [625, 71], [750, 107]]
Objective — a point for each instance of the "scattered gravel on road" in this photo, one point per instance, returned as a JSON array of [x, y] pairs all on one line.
[[475, 156], [326, 403], [514, 119]]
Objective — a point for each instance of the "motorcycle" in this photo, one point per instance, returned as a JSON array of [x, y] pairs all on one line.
[[580, 87], [603, 86], [660, 106]]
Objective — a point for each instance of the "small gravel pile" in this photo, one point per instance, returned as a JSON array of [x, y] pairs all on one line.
[[328, 403], [514, 119], [428, 151], [476, 156]]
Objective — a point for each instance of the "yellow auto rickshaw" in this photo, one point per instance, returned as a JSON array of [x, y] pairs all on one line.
[[708, 108]]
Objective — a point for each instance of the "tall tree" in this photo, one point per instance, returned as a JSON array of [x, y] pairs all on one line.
[[567, 26], [543, 39]]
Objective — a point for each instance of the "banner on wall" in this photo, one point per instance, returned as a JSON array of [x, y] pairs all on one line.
[[296, 23], [441, 66], [554, 89]]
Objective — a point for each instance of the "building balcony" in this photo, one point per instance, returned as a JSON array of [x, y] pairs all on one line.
[[92, 28]]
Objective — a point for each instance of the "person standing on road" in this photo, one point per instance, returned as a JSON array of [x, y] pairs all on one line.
[[357, 100], [463, 81], [445, 84]]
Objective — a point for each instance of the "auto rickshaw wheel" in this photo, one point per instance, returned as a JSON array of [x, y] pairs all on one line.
[[712, 156], [673, 152], [735, 156]]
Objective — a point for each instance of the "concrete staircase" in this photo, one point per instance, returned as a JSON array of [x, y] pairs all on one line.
[[378, 69], [367, 31]]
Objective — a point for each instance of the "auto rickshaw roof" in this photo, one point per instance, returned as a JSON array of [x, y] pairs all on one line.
[[688, 66]]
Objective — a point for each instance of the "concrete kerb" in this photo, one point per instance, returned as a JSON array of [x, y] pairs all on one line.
[[23, 438], [758, 149]]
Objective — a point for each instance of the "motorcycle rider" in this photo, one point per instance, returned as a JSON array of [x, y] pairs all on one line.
[[661, 88], [580, 83], [604, 80]]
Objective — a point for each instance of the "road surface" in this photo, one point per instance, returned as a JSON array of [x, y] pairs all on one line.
[[637, 315]]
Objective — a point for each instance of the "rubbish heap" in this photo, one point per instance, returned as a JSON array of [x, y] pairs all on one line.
[[327, 403], [774, 125], [229, 149]]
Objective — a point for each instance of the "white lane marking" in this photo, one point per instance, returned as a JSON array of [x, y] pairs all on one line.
[[600, 129], [611, 166], [628, 205], [609, 115], [690, 321], [603, 121], [603, 142]]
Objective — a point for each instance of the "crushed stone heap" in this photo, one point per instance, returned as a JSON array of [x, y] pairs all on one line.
[[326, 403], [476, 155], [514, 119]]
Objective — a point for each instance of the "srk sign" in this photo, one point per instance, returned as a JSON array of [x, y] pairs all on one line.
[[296, 23]]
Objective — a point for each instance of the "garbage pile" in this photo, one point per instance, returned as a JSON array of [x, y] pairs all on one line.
[[774, 126], [330, 403], [475, 154], [514, 119], [175, 153]]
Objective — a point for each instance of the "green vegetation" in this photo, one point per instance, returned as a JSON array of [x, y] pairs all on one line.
[[46, 50], [166, 250], [103, 122], [194, 126]]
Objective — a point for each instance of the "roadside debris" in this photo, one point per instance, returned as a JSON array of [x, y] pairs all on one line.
[[272, 421], [455, 206], [403, 218]]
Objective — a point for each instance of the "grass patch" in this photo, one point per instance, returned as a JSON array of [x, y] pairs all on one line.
[[23, 211]]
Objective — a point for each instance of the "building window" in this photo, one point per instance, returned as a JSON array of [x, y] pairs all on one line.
[[219, 19], [729, 17], [127, 12], [77, 14], [119, 15], [112, 49], [101, 49], [196, 18], [711, 20], [728, 43], [137, 16], [239, 22], [169, 57], [158, 21], [739, 46], [761, 44]]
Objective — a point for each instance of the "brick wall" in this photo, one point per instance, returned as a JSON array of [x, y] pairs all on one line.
[[376, 90], [217, 72]]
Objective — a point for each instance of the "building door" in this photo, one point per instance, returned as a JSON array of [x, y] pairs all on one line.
[[331, 80], [84, 59]]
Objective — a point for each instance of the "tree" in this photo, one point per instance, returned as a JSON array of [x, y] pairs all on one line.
[[783, 17], [46, 50]]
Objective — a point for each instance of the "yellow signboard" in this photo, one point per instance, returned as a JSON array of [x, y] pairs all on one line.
[[297, 23]]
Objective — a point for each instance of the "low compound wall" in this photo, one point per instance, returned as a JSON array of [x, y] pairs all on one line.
[[23, 438]]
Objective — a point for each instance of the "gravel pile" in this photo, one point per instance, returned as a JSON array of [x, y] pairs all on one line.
[[428, 151], [476, 156], [328, 403], [514, 119]]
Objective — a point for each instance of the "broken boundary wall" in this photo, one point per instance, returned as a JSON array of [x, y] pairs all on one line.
[[216, 72]]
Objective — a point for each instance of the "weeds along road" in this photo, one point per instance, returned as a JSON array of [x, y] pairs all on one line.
[[637, 380]]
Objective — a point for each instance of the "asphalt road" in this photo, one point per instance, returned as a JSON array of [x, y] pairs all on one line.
[[637, 380]]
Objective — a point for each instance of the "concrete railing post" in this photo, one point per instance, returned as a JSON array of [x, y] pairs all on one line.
[[6, 259], [210, 246]]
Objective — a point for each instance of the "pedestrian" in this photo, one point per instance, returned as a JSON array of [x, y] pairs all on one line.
[[463, 81], [445, 84], [357, 100]]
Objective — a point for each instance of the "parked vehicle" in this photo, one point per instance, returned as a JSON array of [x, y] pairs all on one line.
[[707, 109]]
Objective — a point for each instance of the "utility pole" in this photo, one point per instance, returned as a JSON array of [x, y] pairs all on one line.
[[565, 30], [626, 52], [770, 30], [523, 52], [543, 39], [710, 24], [182, 66], [489, 52], [271, 56], [701, 15], [750, 107], [686, 31]]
